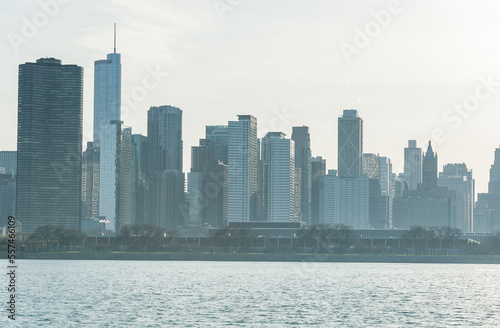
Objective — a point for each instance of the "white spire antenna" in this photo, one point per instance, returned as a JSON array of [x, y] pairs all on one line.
[[114, 49]]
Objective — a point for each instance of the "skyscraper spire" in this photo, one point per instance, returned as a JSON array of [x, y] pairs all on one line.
[[114, 48]]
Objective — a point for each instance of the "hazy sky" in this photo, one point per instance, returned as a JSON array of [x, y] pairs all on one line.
[[420, 70]]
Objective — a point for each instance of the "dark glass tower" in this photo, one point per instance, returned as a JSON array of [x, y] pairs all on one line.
[[49, 144], [165, 160], [302, 139]]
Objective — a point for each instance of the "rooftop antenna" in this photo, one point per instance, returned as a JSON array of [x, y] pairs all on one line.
[[114, 51]]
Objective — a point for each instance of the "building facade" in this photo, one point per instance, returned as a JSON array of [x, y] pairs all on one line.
[[49, 144], [318, 169], [166, 179], [458, 178], [279, 178], [413, 165], [344, 200], [242, 169], [350, 144], [302, 140], [219, 134]]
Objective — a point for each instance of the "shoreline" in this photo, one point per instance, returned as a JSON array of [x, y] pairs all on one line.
[[260, 257]]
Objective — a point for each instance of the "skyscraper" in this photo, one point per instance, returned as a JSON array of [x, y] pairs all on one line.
[[429, 168], [344, 200], [8, 160], [165, 173], [318, 169], [458, 178], [141, 180], [413, 165], [487, 219], [278, 153], [90, 182], [302, 139], [107, 126], [350, 144], [242, 169], [49, 144], [165, 138], [219, 135], [207, 186]]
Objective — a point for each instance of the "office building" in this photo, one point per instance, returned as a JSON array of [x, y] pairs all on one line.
[[302, 140], [8, 160], [429, 205], [413, 165], [350, 144], [142, 178], [488, 204], [219, 134], [49, 144], [166, 179], [165, 138], [429, 168], [318, 169], [344, 200], [458, 178], [242, 169], [207, 186], [90, 182], [279, 178], [107, 128]]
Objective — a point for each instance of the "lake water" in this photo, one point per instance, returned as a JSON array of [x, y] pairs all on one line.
[[253, 294]]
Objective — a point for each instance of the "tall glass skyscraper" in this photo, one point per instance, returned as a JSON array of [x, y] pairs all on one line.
[[165, 160], [242, 169], [107, 128], [350, 144], [49, 144], [279, 156]]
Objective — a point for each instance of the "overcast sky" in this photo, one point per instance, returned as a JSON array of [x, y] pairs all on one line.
[[414, 69]]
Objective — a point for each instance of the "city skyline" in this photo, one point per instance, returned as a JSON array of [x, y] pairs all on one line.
[[175, 71]]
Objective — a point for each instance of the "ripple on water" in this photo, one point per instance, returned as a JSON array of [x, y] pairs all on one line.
[[242, 294]]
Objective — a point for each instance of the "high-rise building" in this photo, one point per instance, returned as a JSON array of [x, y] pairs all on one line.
[[167, 199], [278, 153], [487, 212], [318, 169], [371, 165], [207, 186], [344, 200], [107, 128], [458, 178], [429, 205], [242, 169], [8, 160], [49, 144], [302, 139], [413, 165], [141, 179], [220, 136], [379, 170], [166, 179], [165, 138], [126, 179], [90, 182], [350, 144], [7, 197], [429, 168]]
